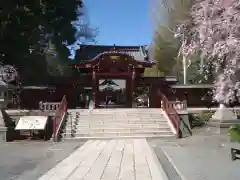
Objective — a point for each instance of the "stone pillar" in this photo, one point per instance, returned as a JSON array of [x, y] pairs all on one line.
[[127, 92], [151, 96], [94, 89], [72, 95], [97, 92], [154, 97], [133, 84]]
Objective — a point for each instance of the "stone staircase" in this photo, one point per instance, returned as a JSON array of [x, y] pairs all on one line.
[[116, 123]]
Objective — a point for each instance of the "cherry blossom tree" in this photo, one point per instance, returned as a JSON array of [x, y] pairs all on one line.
[[214, 31]]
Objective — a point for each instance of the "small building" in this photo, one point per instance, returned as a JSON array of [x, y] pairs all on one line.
[[197, 95]]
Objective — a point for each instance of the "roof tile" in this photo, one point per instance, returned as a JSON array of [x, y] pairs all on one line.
[[89, 52]]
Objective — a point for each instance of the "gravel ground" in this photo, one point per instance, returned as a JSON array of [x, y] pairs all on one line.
[[204, 156], [28, 160]]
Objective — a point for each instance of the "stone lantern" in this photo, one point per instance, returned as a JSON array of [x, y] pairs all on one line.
[[8, 74], [5, 94]]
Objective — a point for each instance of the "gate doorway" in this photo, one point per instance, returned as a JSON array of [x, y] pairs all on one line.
[[141, 97], [112, 93], [83, 97]]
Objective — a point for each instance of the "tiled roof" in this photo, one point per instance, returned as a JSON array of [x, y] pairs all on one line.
[[89, 52]]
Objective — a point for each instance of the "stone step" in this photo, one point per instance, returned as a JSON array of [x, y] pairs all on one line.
[[105, 134], [117, 120], [118, 129], [113, 131], [116, 123], [116, 110], [139, 124], [116, 117], [159, 136], [118, 113], [144, 114], [119, 125], [112, 113]]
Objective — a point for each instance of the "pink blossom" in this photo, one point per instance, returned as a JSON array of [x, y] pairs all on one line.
[[214, 29]]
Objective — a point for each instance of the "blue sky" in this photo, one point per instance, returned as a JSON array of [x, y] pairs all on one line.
[[120, 22]]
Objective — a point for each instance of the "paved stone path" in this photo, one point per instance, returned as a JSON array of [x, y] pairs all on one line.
[[29, 160], [200, 157], [129, 159]]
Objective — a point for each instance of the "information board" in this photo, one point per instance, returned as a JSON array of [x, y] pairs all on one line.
[[32, 123]]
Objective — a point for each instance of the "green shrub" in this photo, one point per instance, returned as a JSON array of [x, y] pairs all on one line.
[[200, 119], [234, 132]]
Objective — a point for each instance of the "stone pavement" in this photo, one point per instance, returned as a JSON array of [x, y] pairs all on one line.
[[123, 159], [204, 156], [29, 160]]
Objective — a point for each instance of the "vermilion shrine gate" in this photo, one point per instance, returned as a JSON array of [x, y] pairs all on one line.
[[105, 63]]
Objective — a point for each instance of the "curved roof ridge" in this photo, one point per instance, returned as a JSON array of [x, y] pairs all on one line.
[[110, 52], [91, 52]]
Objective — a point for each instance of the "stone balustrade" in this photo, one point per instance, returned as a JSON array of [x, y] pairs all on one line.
[[178, 105], [49, 106]]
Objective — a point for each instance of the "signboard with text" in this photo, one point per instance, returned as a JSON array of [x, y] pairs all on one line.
[[31, 123]]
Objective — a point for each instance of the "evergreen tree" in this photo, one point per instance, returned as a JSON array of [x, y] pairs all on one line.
[[27, 27]]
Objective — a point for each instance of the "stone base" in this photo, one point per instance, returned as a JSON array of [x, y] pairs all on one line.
[[224, 114], [3, 134], [185, 122], [223, 124], [217, 130], [221, 127], [223, 118]]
